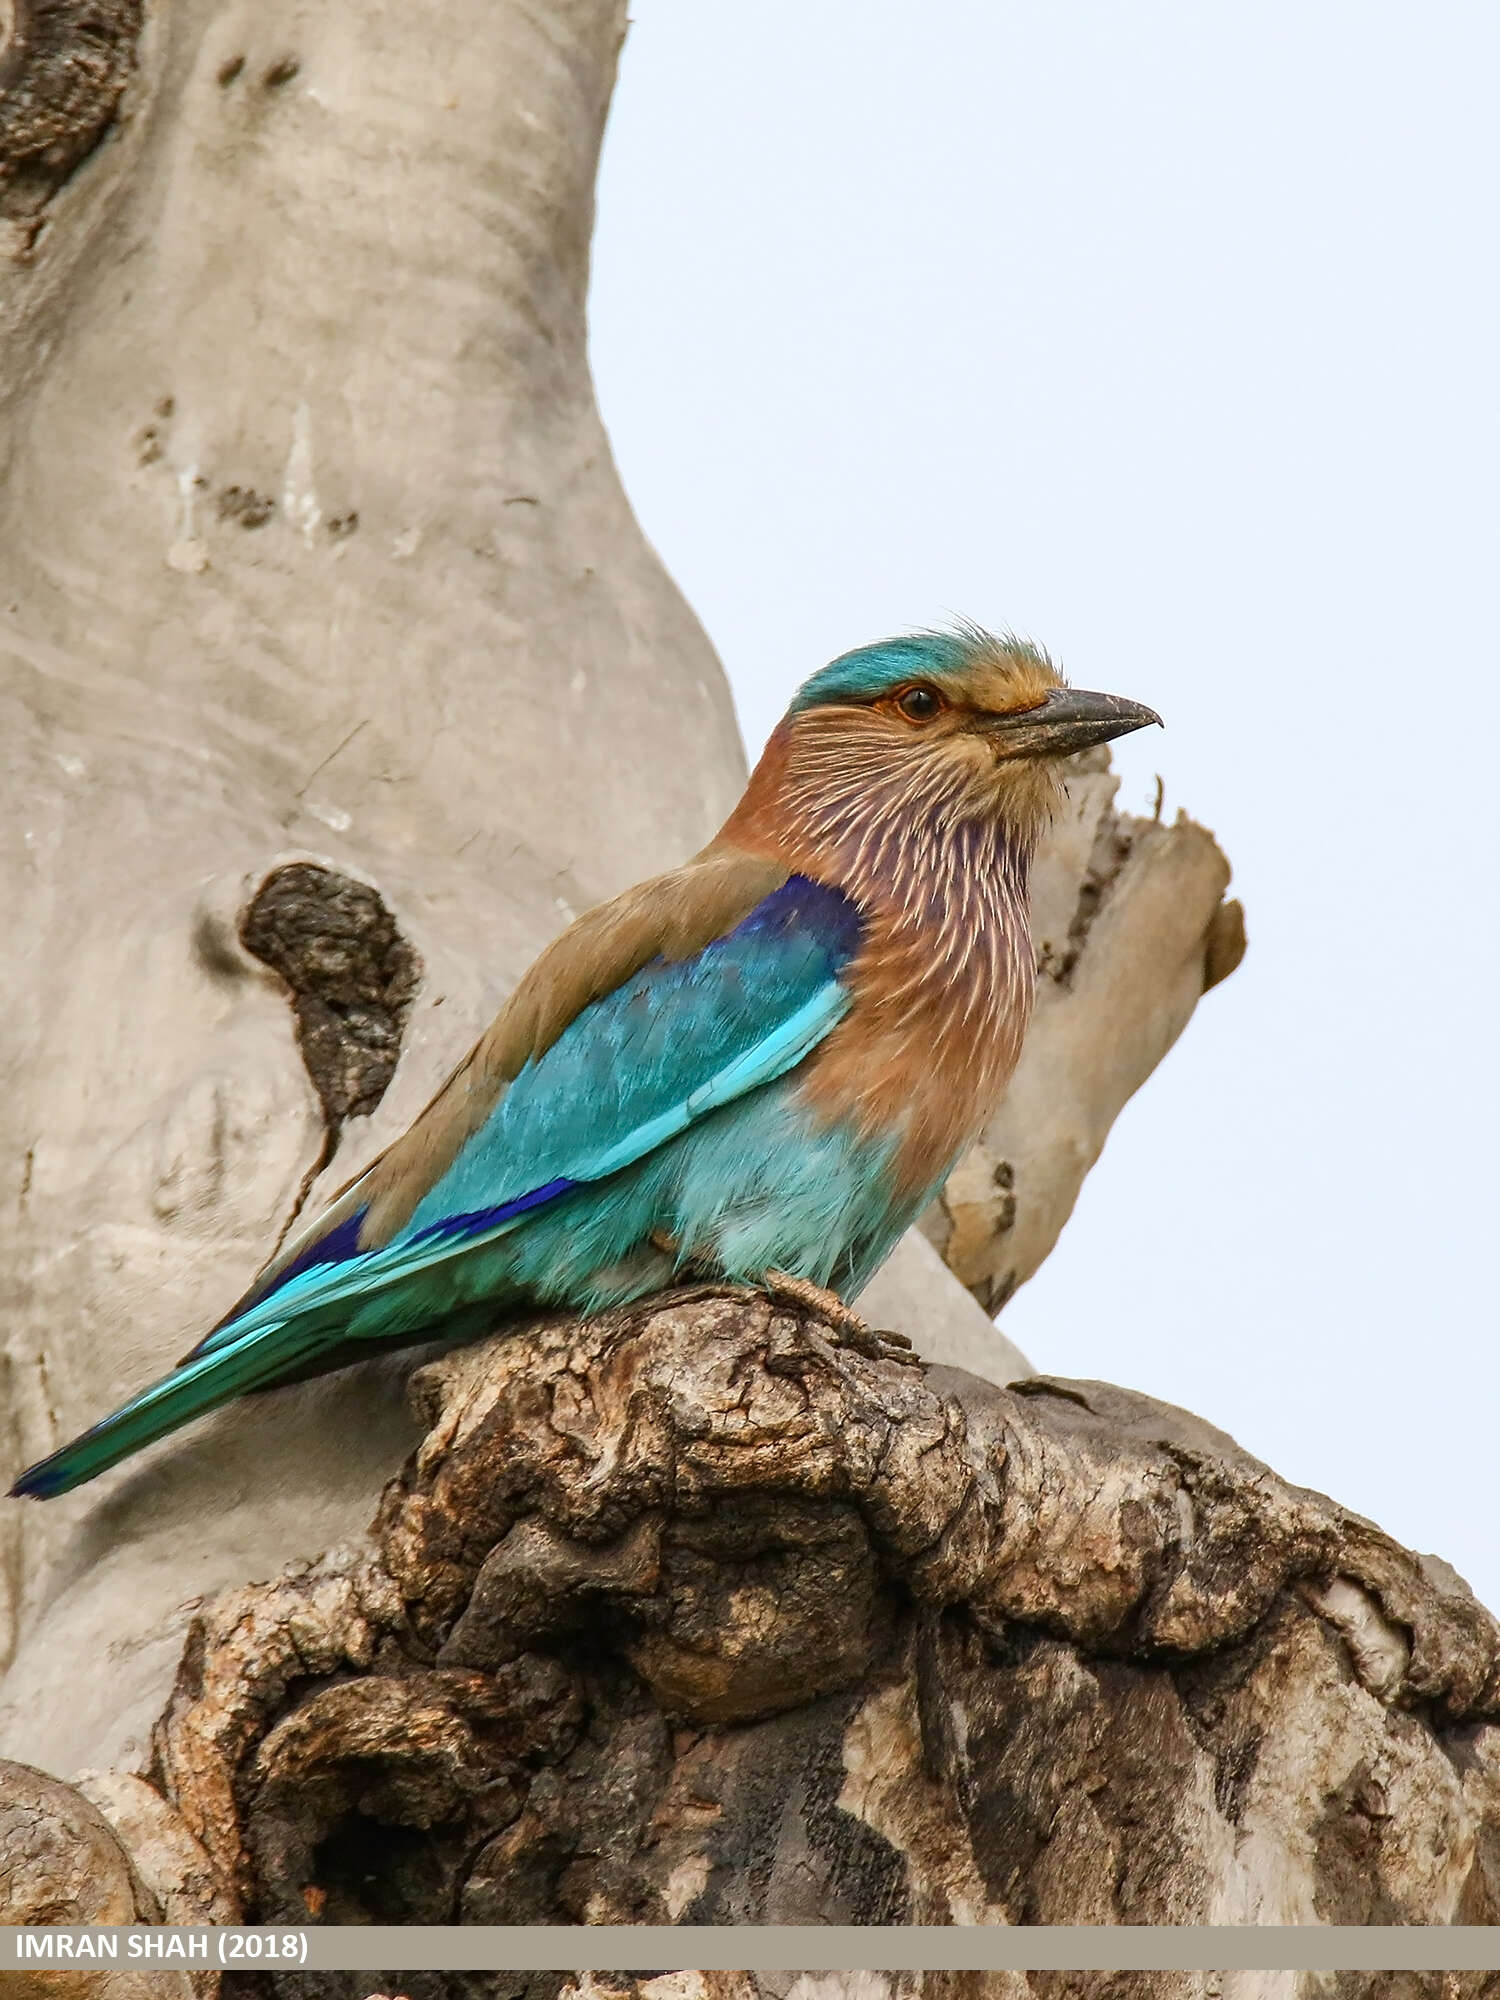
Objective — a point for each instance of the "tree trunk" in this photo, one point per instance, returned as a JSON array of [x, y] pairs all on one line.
[[337, 676], [316, 572]]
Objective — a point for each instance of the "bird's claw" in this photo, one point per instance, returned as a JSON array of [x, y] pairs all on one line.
[[885, 1344], [843, 1322]]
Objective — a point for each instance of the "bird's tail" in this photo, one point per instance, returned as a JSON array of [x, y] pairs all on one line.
[[312, 1320], [264, 1355]]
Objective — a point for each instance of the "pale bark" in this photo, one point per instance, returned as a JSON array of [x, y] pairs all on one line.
[[311, 546], [1131, 930]]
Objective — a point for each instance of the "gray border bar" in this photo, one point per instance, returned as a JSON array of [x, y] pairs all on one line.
[[766, 1948]]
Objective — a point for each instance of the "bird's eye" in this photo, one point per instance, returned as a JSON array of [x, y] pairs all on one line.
[[919, 704]]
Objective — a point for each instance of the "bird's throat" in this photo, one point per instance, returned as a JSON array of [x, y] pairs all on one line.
[[943, 986]]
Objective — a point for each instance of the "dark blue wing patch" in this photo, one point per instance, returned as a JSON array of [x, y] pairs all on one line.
[[480, 1219], [802, 905], [341, 1243]]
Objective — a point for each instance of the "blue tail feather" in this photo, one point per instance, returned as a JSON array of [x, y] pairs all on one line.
[[190, 1391]]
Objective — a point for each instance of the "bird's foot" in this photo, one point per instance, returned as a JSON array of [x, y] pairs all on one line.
[[843, 1322], [842, 1319]]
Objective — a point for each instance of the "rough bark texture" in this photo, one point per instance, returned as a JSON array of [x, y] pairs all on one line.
[[691, 1615], [64, 65]]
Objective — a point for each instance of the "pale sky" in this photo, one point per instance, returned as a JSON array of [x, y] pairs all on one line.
[[1166, 335]]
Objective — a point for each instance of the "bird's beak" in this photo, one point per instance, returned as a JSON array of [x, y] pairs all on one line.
[[1069, 719]]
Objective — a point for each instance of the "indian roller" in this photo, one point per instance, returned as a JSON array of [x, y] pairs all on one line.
[[756, 1069]]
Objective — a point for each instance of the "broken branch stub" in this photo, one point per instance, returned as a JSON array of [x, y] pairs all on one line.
[[1131, 929], [352, 978]]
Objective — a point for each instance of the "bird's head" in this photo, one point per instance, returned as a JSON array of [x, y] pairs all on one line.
[[937, 727]]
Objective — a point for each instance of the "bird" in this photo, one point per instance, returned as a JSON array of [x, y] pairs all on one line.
[[754, 1070]]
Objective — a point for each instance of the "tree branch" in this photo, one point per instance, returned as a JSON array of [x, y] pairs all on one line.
[[687, 1616], [1132, 929]]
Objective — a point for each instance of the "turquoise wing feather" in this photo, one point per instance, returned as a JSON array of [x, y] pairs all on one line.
[[663, 1050], [637, 1067]]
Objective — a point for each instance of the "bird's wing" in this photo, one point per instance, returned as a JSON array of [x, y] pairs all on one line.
[[642, 1018], [589, 1068]]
